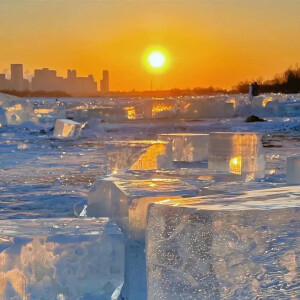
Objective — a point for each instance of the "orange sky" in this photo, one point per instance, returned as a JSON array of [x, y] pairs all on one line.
[[209, 42]]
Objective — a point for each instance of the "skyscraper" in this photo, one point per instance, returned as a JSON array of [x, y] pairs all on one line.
[[4, 83], [104, 83], [17, 81], [46, 80]]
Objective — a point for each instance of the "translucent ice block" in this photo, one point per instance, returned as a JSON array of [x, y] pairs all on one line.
[[187, 147], [109, 114], [139, 155], [293, 169], [239, 153], [65, 128], [156, 109], [126, 201], [19, 111], [145, 110], [210, 109], [60, 259], [244, 247]]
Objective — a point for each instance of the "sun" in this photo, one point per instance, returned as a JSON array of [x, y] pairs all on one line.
[[156, 59]]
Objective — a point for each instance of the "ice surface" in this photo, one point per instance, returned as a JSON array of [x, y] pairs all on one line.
[[139, 155], [246, 247], [239, 153], [126, 201], [18, 111], [36, 181], [293, 169], [65, 128], [187, 147], [48, 114], [68, 258]]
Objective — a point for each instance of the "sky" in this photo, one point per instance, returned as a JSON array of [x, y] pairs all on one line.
[[208, 43]]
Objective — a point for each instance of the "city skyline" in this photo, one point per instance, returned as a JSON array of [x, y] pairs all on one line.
[[212, 43], [45, 79]]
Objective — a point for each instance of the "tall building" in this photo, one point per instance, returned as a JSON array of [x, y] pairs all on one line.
[[72, 74], [104, 83], [17, 82], [4, 83], [46, 80]]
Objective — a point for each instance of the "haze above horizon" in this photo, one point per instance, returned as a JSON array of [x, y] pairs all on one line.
[[209, 43]]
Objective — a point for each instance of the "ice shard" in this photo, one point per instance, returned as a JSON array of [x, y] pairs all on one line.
[[126, 200], [238, 153], [3, 119], [188, 147], [139, 155], [65, 128], [244, 247], [60, 259], [293, 169]]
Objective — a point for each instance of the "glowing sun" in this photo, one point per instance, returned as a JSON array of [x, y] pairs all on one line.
[[156, 59]]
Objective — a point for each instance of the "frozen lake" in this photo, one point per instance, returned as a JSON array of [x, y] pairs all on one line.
[[45, 178]]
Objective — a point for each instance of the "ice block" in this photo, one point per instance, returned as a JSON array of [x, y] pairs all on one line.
[[244, 247], [109, 114], [238, 153], [293, 169], [65, 128], [60, 259], [126, 201], [188, 147], [210, 109], [139, 155], [19, 111]]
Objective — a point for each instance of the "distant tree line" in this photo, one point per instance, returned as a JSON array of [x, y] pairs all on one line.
[[287, 83], [168, 93], [36, 93]]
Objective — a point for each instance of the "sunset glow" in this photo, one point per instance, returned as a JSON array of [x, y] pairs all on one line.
[[249, 39]]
